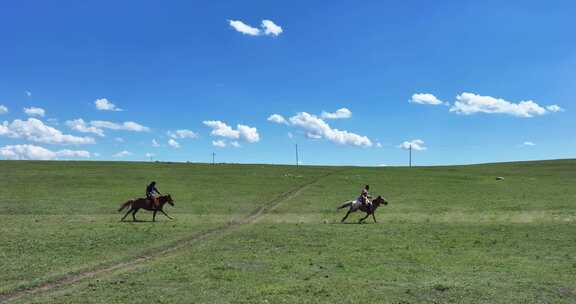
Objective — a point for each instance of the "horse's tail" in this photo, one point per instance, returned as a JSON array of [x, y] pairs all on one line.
[[125, 205], [345, 205]]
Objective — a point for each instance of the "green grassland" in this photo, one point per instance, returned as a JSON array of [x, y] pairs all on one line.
[[449, 234]]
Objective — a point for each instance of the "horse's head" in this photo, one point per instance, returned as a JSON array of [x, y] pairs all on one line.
[[379, 201], [168, 199]]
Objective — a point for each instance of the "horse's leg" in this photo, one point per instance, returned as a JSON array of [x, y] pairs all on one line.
[[364, 218], [154, 216], [346, 216], [125, 215], [165, 214], [134, 214], [374, 217]]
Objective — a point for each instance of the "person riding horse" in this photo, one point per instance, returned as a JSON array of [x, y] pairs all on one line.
[[365, 197], [151, 192]]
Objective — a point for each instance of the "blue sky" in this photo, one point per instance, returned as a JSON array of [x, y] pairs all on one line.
[[463, 81]]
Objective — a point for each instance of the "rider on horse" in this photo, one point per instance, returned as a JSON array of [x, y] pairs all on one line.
[[364, 197], [151, 192]]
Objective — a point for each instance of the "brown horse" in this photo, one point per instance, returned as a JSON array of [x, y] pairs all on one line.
[[354, 206], [144, 203]]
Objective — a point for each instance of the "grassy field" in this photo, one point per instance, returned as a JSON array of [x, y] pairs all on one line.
[[271, 234]]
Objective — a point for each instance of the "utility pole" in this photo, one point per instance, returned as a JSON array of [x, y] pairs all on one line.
[[213, 158], [297, 160], [410, 161]]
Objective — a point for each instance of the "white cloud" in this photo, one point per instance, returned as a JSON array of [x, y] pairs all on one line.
[[318, 127], [313, 136], [31, 152], [219, 143], [470, 103], [244, 28], [155, 143], [416, 144], [181, 134], [35, 130], [119, 139], [103, 104], [339, 114], [3, 109], [5, 130], [122, 154], [220, 128], [34, 111], [125, 126], [26, 152], [81, 126], [73, 153], [235, 144], [149, 155], [378, 145], [425, 98], [270, 28], [277, 118], [554, 108], [174, 144], [248, 133], [528, 144]]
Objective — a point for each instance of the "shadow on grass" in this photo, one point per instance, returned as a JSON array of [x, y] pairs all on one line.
[[143, 221], [350, 223]]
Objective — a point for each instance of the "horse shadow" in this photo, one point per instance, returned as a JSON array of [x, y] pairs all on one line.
[[138, 221], [351, 223]]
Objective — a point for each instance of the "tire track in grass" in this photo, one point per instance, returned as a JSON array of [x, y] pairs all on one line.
[[150, 254]]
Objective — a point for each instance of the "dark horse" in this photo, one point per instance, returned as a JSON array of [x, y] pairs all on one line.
[[354, 206], [144, 203]]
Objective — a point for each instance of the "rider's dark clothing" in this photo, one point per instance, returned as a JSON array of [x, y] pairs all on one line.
[[150, 190]]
